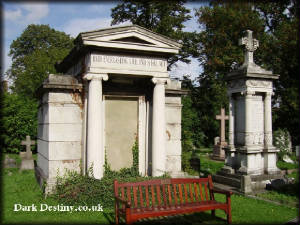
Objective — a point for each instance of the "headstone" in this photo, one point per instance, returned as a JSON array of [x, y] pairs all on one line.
[[217, 140], [9, 162], [26, 157], [220, 143], [297, 150]]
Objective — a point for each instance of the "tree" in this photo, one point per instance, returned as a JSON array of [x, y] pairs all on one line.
[[219, 54], [163, 17], [34, 55], [18, 119], [275, 25], [281, 55]]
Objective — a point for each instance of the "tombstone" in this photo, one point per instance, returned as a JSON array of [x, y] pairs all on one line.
[[9, 162], [26, 157], [250, 151], [218, 151], [115, 90], [216, 140]]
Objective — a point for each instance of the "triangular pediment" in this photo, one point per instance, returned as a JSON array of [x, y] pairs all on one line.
[[133, 39], [129, 37]]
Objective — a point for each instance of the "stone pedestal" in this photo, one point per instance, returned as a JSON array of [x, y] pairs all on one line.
[[219, 152]]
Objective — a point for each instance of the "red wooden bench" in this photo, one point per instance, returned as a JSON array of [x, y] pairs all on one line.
[[165, 197]]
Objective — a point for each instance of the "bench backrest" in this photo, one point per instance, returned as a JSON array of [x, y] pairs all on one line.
[[165, 192]]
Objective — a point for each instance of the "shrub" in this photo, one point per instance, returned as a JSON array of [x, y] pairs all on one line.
[[77, 189], [19, 118]]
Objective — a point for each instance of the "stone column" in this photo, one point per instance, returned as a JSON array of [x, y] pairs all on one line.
[[268, 120], [95, 151], [248, 96], [158, 127]]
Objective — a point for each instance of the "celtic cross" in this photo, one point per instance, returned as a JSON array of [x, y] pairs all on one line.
[[251, 45]]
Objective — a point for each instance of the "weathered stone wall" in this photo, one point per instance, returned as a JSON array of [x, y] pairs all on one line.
[[173, 128], [59, 130]]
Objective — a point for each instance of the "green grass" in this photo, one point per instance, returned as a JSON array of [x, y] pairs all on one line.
[[208, 166], [22, 188]]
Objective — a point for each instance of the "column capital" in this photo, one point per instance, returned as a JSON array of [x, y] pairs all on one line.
[[158, 80], [95, 76], [269, 94], [247, 93]]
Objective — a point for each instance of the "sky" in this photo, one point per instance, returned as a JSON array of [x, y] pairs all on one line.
[[73, 18]]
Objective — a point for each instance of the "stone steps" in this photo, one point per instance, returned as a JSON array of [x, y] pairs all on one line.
[[231, 181]]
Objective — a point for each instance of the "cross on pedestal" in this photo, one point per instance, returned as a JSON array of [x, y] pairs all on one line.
[[251, 45], [28, 144], [222, 117]]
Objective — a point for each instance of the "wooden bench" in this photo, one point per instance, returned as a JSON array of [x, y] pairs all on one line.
[[165, 197]]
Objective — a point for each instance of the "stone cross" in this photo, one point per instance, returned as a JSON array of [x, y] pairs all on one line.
[[251, 45], [222, 117], [28, 144]]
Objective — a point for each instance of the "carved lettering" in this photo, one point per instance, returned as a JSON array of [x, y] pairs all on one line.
[[108, 59]]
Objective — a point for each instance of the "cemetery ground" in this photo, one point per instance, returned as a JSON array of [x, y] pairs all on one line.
[[22, 188]]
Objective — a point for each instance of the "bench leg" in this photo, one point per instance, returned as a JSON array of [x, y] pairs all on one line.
[[213, 212], [229, 218]]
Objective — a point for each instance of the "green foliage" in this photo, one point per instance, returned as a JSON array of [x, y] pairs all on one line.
[[286, 166], [19, 118], [281, 141], [275, 24], [163, 17], [77, 189], [34, 54]]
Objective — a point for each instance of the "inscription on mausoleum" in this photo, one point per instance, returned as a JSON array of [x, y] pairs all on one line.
[[129, 62]]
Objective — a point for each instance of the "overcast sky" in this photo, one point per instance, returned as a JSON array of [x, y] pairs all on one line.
[[73, 18]]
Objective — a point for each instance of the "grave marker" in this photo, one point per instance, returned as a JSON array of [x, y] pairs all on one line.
[[219, 152], [26, 157]]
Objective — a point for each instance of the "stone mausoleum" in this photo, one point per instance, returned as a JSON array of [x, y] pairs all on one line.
[[113, 90]]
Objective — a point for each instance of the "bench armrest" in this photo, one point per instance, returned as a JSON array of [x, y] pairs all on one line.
[[228, 193], [126, 203]]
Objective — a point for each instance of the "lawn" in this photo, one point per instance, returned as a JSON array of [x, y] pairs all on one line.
[[22, 188]]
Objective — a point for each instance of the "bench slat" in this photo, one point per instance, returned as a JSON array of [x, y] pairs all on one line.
[[191, 192], [170, 195], [180, 193], [196, 192], [164, 195], [201, 191], [174, 192], [206, 194], [135, 197], [147, 196], [185, 193], [128, 194], [158, 194], [153, 196], [141, 196]]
